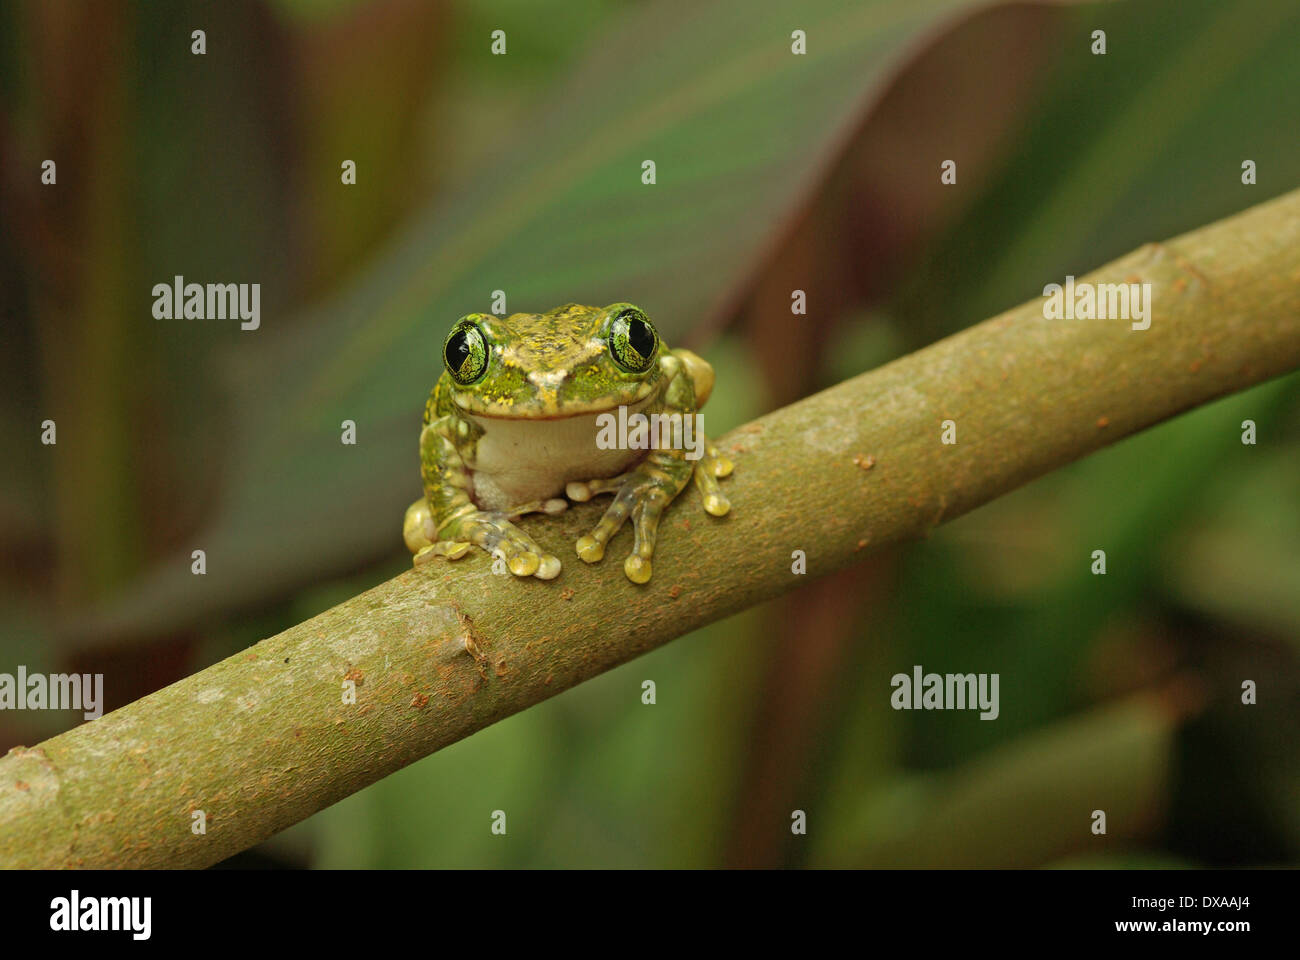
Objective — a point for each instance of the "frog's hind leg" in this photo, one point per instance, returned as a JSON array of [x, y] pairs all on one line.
[[418, 531]]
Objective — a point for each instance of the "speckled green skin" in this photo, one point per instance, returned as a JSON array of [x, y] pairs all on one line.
[[514, 440]]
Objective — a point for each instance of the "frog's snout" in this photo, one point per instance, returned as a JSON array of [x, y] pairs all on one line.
[[548, 380]]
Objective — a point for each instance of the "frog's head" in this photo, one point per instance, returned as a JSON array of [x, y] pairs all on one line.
[[569, 361]]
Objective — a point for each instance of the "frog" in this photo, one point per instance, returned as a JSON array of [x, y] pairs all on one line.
[[511, 426]]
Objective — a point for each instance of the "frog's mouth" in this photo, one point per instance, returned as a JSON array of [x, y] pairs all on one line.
[[549, 409]]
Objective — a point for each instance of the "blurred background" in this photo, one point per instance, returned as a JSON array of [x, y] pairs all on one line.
[[774, 172]]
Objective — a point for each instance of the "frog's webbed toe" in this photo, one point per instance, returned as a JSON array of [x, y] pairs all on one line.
[[451, 549], [643, 498], [711, 467], [643, 494], [720, 464], [645, 527], [494, 533], [592, 546], [523, 557]]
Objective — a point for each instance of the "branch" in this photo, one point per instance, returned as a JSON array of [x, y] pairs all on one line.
[[262, 740]]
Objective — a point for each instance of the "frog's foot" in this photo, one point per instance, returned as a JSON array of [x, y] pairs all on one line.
[[645, 504], [498, 536], [451, 549], [418, 530], [713, 466], [643, 494], [721, 463]]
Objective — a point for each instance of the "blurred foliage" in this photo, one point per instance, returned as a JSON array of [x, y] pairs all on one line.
[[775, 172], [738, 128]]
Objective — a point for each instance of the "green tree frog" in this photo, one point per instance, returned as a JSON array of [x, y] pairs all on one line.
[[515, 420]]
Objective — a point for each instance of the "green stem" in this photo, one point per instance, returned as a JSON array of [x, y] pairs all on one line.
[[264, 739]]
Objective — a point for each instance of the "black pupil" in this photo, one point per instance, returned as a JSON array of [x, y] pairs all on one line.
[[457, 350], [639, 335]]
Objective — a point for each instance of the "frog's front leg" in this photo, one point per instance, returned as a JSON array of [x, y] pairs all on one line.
[[643, 494], [453, 520]]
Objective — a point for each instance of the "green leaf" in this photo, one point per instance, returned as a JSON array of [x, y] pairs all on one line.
[[1022, 804], [1241, 561], [1142, 143], [739, 128]]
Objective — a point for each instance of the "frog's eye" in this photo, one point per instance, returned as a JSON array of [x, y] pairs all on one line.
[[633, 340], [465, 353]]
